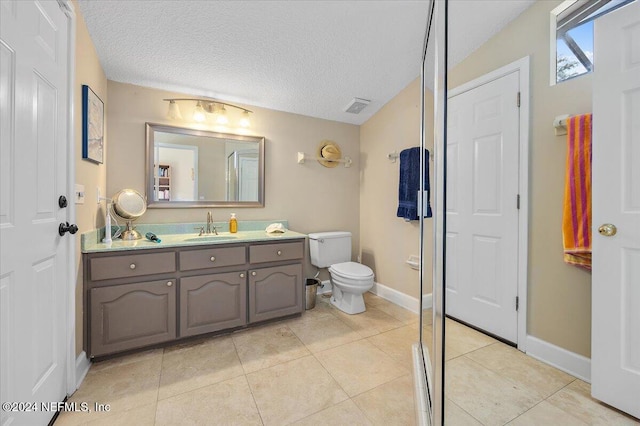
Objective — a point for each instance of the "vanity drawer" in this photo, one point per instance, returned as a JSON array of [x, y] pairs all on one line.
[[132, 265], [275, 252], [212, 258]]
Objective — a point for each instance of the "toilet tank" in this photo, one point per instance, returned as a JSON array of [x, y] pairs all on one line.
[[329, 248]]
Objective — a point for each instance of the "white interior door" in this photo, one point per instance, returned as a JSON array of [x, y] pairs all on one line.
[[183, 160], [33, 269], [482, 211], [615, 329], [247, 178]]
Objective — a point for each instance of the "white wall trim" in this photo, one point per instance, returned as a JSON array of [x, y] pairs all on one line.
[[326, 287], [82, 368], [427, 300], [396, 297], [577, 365], [521, 66]]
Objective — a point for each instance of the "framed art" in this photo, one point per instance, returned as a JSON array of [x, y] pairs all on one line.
[[92, 126]]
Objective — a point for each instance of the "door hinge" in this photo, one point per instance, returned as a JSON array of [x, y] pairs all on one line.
[[517, 303], [518, 100], [518, 201]]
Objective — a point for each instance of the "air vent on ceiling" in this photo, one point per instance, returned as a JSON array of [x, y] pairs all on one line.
[[356, 105]]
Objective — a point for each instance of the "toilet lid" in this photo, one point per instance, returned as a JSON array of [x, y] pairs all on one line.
[[352, 270]]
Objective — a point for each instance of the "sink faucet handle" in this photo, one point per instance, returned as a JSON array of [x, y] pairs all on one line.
[[201, 229], [215, 229]]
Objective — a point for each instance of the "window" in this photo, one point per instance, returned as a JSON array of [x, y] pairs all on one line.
[[572, 29]]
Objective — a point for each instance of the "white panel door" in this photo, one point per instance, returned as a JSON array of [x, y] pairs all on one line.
[[33, 140], [247, 178], [482, 214], [615, 329]]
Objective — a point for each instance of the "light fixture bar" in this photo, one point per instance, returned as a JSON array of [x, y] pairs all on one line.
[[208, 104]]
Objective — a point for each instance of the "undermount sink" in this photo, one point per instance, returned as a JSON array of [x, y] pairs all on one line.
[[210, 238]]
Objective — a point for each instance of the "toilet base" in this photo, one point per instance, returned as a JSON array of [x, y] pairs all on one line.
[[349, 303]]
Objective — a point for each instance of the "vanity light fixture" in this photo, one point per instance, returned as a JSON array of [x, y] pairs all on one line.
[[208, 106], [174, 111], [198, 113], [245, 121]]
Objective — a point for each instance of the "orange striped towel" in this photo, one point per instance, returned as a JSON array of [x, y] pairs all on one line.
[[576, 218]]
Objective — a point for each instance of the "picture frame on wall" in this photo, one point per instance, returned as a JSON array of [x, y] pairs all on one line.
[[92, 126]]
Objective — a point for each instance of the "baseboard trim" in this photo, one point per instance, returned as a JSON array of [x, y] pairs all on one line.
[[82, 368], [399, 298], [427, 300], [577, 365], [326, 287]]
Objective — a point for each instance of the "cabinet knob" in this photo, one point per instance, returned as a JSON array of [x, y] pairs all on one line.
[[213, 258], [241, 275], [169, 283], [279, 252], [132, 266], [254, 273]]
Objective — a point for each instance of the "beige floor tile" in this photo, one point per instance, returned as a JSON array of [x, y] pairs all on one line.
[[142, 416], [399, 313], [461, 339], [126, 359], [456, 416], [322, 331], [197, 364], [371, 299], [225, 403], [323, 304], [127, 386], [370, 322], [389, 404], [545, 414], [576, 400], [522, 369], [344, 413], [360, 366], [397, 343], [267, 346], [485, 395], [293, 390]]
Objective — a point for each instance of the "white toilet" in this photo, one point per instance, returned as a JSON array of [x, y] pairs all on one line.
[[349, 279]]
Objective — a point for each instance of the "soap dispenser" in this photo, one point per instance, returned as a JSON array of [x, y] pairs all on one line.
[[233, 224]]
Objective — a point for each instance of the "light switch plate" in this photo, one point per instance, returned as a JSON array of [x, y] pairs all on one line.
[[79, 194]]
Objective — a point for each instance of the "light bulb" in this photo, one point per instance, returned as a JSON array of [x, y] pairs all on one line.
[[174, 111], [198, 113], [245, 121], [222, 116]]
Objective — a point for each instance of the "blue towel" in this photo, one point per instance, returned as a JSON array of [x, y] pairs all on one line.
[[410, 183]]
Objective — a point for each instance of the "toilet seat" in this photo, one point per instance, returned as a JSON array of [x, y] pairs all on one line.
[[352, 271]]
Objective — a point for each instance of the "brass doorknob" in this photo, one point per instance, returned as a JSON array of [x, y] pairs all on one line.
[[608, 230]]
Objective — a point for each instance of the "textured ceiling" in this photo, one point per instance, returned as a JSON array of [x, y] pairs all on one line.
[[304, 57]]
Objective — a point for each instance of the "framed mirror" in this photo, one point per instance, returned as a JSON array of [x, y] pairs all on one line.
[[199, 168]]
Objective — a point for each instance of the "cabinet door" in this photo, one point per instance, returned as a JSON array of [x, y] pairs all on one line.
[[132, 315], [212, 302], [275, 292]]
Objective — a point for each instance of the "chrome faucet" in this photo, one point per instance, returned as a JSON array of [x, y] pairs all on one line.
[[210, 224]]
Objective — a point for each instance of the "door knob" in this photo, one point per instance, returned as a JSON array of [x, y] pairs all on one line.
[[608, 230], [65, 227]]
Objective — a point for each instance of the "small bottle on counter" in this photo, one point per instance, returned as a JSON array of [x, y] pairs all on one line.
[[233, 224]]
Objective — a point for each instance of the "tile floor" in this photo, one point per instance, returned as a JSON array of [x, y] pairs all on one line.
[[329, 368]]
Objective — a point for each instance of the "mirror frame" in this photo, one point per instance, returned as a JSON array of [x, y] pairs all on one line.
[[150, 128]]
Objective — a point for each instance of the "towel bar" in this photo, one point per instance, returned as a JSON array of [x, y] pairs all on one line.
[[560, 124], [302, 156]]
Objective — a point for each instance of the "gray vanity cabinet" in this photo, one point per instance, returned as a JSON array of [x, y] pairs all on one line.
[[275, 292], [140, 298], [132, 315], [212, 302]]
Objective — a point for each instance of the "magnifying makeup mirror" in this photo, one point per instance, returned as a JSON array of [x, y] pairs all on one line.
[[129, 204]]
